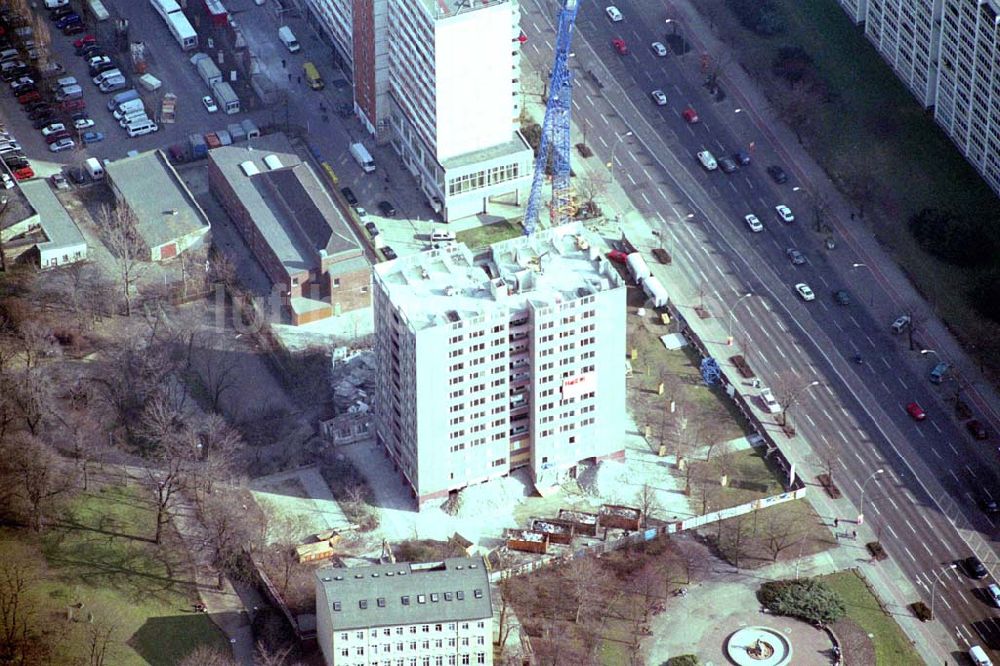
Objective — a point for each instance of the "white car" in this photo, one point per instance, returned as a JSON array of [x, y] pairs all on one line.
[[209, 104], [83, 123], [784, 213], [769, 402], [52, 129], [707, 160], [613, 13], [61, 145], [8, 182], [659, 97], [805, 292], [659, 49], [753, 223], [55, 4]]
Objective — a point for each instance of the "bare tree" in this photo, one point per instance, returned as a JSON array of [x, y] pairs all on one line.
[[590, 187], [35, 474], [229, 528], [204, 655], [733, 538], [175, 456], [917, 321], [783, 528], [217, 367], [18, 641], [120, 233], [505, 621], [584, 575], [706, 486], [648, 503]]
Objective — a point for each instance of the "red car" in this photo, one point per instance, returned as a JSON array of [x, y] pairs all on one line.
[[55, 136], [617, 256], [690, 115], [916, 411], [83, 41], [977, 429], [74, 105], [29, 97], [620, 45], [24, 173]]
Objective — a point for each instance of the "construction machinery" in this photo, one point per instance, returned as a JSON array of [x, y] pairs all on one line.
[[555, 141]]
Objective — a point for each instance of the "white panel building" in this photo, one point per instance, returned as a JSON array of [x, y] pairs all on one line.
[[486, 367]]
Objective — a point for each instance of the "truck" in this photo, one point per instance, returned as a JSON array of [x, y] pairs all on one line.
[[363, 157], [168, 108], [313, 78], [177, 23], [98, 10], [637, 267], [121, 98], [149, 82], [656, 292], [226, 97], [199, 148], [208, 71]]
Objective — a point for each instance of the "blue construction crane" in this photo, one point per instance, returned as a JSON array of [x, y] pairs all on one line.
[[555, 131]]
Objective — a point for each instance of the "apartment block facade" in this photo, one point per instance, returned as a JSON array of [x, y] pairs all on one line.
[[407, 614], [440, 82], [486, 367], [947, 52]]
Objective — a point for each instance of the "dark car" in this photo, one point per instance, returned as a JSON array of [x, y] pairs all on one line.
[[975, 567], [80, 115], [977, 429], [78, 175], [29, 97], [742, 157], [371, 228], [987, 503], [727, 164], [92, 51], [387, 209], [389, 253], [57, 136], [15, 73], [40, 111], [777, 174], [16, 161], [69, 19], [43, 120], [349, 195], [796, 257], [35, 106], [60, 13], [102, 67], [841, 297], [73, 29]]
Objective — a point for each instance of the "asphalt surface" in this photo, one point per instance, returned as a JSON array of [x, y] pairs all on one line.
[[923, 506]]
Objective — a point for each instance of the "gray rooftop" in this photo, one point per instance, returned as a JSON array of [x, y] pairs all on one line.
[[59, 228], [454, 590], [515, 146], [17, 208], [164, 207], [290, 207]]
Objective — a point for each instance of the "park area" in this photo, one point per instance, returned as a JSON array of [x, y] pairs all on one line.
[[96, 580]]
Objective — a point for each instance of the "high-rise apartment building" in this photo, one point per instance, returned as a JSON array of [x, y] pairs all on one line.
[[440, 81], [409, 614], [513, 361], [947, 52]]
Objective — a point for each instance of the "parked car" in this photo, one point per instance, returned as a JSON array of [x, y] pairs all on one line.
[[83, 123], [73, 29], [349, 196], [44, 118], [53, 128], [975, 568], [659, 97], [770, 403], [613, 13], [742, 157], [371, 228], [707, 160], [389, 253], [209, 104], [83, 42], [61, 145], [387, 209], [68, 20], [59, 181], [58, 135], [617, 256], [29, 97], [777, 174], [8, 182], [61, 12], [727, 164], [690, 115], [24, 173], [753, 223], [659, 49], [91, 137]]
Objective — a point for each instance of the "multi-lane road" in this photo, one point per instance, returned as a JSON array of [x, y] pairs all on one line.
[[924, 504]]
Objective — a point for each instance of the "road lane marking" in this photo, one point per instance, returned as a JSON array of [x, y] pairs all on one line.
[[809, 418], [781, 352], [891, 531], [927, 549], [886, 363], [937, 427], [855, 321], [871, 342], [902, 382], [645, 198], [921, 433], [907, 551], [952, 446], [766, 305], [892, 502], [971, 471], [601, 139], [910, 525], [842, 436], [936, 454]]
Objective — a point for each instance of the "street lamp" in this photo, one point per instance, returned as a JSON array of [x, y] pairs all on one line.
[[729, 340], [796, 189], [673, 25], [794, 398], [611, 164], [871, 288], [861, 507], [934, 588]]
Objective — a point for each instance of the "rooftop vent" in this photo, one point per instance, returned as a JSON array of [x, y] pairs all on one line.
[[273, 162], [338, 578], [326, 579], [249, 168]]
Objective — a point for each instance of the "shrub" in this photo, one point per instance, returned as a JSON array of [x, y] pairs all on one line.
[[808, 599], [921, 611], [759, 16], [792, 64], [951, 238], [985, 295], [682, 660]]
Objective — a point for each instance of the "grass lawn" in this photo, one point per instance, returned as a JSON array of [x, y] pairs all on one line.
[[891, 644], [100, 555], [489, 234], [872, 129]]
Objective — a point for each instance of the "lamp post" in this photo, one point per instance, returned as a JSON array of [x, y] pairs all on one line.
[[673, 25], [611, 164], [794, 398], [729, 340], [934, 588], [871, 289], [861, 507]]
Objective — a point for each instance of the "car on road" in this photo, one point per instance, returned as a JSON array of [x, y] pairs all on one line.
[[389, 253], [659, 97], [901, 323], [690, 115], [796, 257], [784, 213], [387, 209], [727, 164], [59, 181], [659, 49], [613, 13], [371, 228], [753, 223], [617, 256], [349, 196], [993, 594], [987, 503], [975, 568], [53, 128], [707, 160], [83, 123], [777, 174], [767, 397], [977, 429], [209, 104], [61, 145], [916, 412], [620, 46], [91, 137], [742, 157], [841, 297], [805, 292]]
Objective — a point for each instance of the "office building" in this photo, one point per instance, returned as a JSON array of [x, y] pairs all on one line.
[[422, 614], [947, 52], [486, 367]]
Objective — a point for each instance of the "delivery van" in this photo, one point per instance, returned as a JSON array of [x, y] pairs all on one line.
[[288, 39], [313, 78]]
